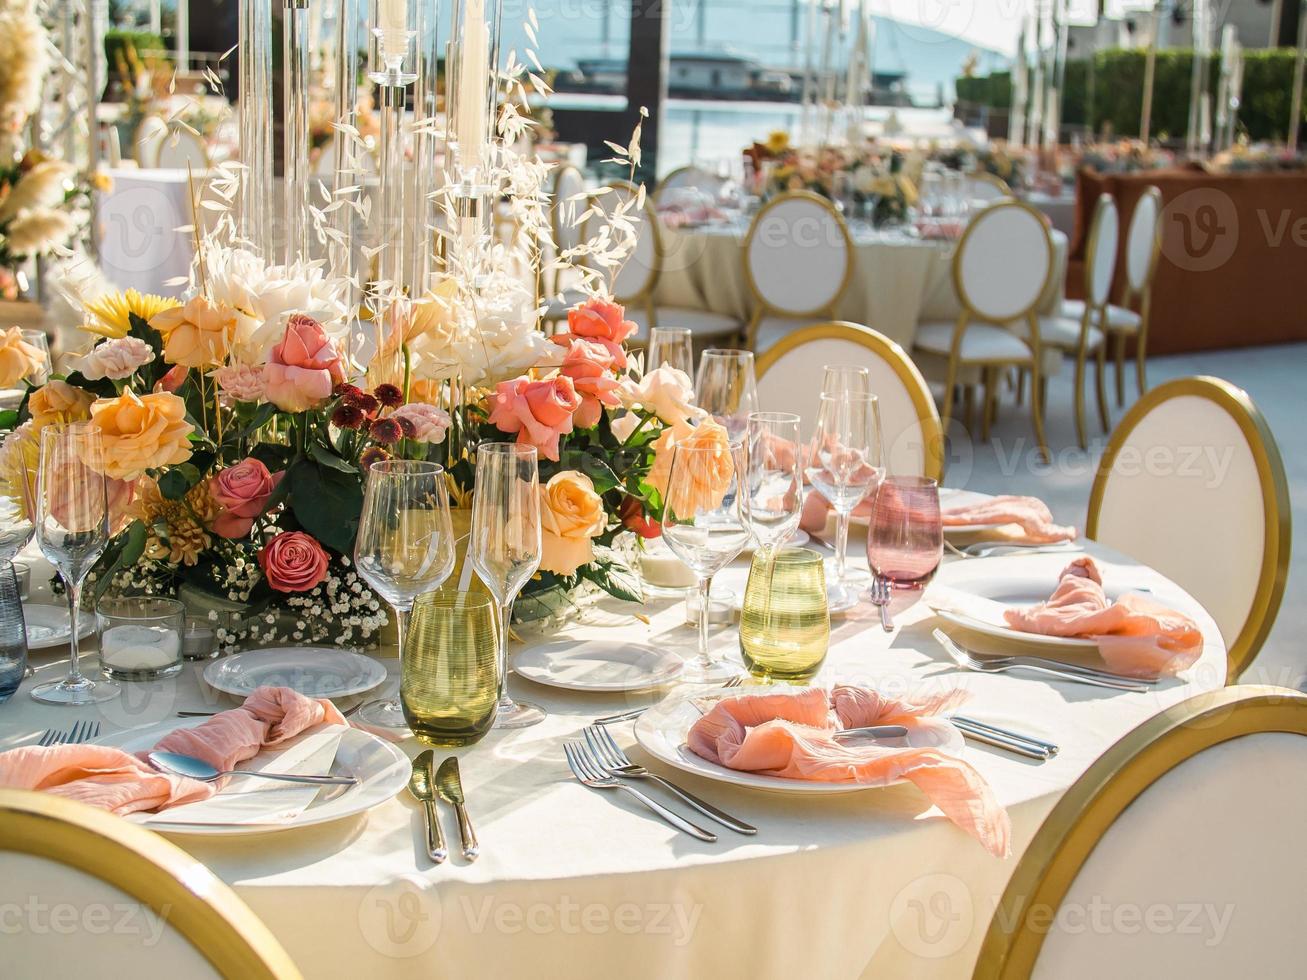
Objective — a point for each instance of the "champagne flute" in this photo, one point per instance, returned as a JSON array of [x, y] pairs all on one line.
[[727, 389], [844, 465], [404, 549], [773, 493], [704, 525], [505, 548], [671, 347], [72, 528]]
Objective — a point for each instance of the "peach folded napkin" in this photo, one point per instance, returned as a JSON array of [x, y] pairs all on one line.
[[114, 780], [1030, 513], [792, 736], [1135, 634]]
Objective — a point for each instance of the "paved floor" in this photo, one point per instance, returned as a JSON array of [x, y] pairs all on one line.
[[1275, 377]]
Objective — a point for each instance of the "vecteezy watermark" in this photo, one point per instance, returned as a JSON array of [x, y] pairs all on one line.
[[39, 918]]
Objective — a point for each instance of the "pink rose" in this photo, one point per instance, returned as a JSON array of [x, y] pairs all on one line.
[[588, 365], [241, 493], [429, 423], [115, 359], [174, 379], [293, 562], [242, 382], [303, 368], [602, 322], [538, 411]]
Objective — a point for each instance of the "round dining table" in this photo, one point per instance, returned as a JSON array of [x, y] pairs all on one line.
[[899, 279], [573, 881]]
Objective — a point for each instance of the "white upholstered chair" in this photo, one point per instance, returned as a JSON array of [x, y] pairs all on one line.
[[689, 177], [144, 908], [1192, 484], [1176, 854], [1143, 246], [798, 263], [790, 377], [182, 148], [1001, 269], [147, 139]]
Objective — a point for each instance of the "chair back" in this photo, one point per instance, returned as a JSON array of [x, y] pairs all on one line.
[[1003, 262], [145, 907], [180, 149], [790, 376], [1192, 484], [689, 177], [566, 207], [986, 187], [1143, 242], [147, 140], [798, 256], [1175, 854], [635, 280], [1100, 253]]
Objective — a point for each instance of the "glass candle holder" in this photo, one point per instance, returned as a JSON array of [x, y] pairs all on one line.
[[199, 639], [785, 620], [140, 637], [449, 679]]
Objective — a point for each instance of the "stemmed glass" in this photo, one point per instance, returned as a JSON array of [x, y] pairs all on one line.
[[704, 525], [72, 528], [773, 495], [404, 549], [505, 548], [844, 465], [837, 379], [17, 516], [727, 389], [671, 347]]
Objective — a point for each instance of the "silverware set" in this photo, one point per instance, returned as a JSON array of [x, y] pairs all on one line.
[[424, 784], [1003, 738], [1063, 671], [994, 549], [82, 731]]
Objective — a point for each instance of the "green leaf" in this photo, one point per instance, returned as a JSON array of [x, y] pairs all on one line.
[[329, 459], [174, 484], [272, 456], [613, 575], [9, 419], [130, 545], [326, 502], [262, 416]]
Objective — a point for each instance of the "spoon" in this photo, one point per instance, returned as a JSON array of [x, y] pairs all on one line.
[[185, 765]]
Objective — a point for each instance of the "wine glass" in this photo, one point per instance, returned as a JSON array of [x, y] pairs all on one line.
[[404, 549], [773, 494], [671, 347], [18, 454], [704, 525], [72, 528], [505, 548], [844, 465], [838, 379], [727, 389], [905, 541]]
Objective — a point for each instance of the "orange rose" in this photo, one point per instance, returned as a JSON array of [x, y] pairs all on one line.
[[58, 401], [571, 516], [141, 433], [18, 358], [198, 334], [710, 470]]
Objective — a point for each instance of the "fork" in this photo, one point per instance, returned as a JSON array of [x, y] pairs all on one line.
[[616, 762], [1033, 661], [880, 596], [730, 682], [999, 665], [589, 773], [82, 731]]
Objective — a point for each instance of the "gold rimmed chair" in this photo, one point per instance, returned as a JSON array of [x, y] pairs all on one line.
[[691, 176], [798, 263], [981, 185], [1192, 484], [147, 138], [183, 148], [1175, 854], [1001, 269], [1143, 247], [143, 907], [790, 376]]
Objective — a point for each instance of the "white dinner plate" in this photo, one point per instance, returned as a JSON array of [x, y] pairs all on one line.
[[597, 665], [47, 626], [381, 768], [661, 732], [319, 672]]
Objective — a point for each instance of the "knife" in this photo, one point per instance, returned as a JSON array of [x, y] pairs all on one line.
[[450, 785], [419, 784]]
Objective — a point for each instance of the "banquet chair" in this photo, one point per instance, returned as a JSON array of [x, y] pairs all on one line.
[[181, 149], [690, 176], [790, 378], [1175, 854], [1192, 484], [565, 208], [144, 907], [1001, 268], [798, 264], [147, 139], [1143, 247], [983, 186]]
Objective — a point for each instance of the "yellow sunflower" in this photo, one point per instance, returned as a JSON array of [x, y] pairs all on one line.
[[110, 315]]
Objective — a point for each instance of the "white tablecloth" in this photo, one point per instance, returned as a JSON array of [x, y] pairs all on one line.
[[898, 280], [574, 882]]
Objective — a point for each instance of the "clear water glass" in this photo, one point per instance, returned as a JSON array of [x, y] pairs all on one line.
[[726, 387], [671, 347], [773, 494]]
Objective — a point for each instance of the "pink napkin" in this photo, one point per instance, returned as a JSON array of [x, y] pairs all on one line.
[[1030, 513], [113, 780], [792, 736], [1135, 635]]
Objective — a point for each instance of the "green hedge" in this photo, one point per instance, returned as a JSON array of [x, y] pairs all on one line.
[[1119, 85], [115, 41]]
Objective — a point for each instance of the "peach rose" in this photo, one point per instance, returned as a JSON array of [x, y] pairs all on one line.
[[115, 359], [293, 562], [241, 382], [18, 358], [304, 367], [58, 401], [666, 391], [141, 433], [601, 321], [571, 516], [198, 334], [538, 411], [241, 493], [589, 365], [711, 470]]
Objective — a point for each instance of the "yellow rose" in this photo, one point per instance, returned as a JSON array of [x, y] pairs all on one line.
[[58, 401], [198, 334], [141, 433], [18, 358], [571, 516], [709, 473]]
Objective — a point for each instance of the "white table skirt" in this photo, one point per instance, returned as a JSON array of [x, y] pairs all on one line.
[[574, 882], [897, 280]]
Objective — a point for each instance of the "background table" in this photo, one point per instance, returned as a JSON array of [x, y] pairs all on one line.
[[575, 882]]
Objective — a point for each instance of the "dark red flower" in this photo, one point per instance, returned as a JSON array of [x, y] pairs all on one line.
[[371, 456], [366, 403], [346, 391], [385, 431], [407, 426], [632, 515], [347, 416], [389, 395]]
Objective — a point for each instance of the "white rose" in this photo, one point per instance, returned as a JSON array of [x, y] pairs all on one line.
[[665, 391]]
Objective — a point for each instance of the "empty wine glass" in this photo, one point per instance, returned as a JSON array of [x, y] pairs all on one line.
[[844, 465], [671, 347], [837, 379], [727, 389], [704, 525], [404, 549], [905, 541], [773, 494], [72, 528], [505, 548]]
